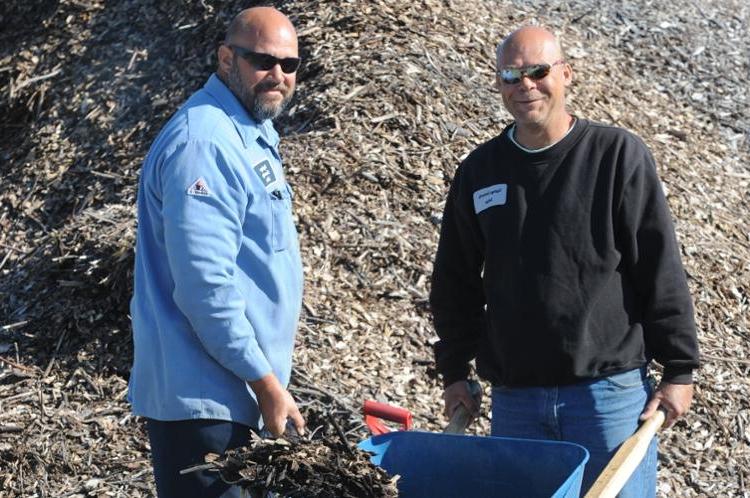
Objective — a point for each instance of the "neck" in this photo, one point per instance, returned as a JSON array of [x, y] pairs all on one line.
[[538, 135]]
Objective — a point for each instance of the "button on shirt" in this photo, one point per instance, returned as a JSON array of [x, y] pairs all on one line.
[[218, 276]]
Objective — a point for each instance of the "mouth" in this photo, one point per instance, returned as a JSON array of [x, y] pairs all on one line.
[[271, 95], [281, 89], [528, 105]]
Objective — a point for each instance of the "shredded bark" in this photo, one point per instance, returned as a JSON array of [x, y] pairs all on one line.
[[392, 94], [299, 467]]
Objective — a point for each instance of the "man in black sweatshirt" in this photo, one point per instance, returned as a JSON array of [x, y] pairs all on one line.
[[558, 271]]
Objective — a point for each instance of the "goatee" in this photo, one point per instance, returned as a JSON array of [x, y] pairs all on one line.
[[255, 105]]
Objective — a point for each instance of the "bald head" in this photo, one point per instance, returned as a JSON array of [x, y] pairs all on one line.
[[253, 25], [532, 41]]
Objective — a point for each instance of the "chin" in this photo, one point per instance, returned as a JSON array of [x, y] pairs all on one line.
[[529, 120], [267, 106]]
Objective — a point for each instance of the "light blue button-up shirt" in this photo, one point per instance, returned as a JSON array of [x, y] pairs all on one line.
[[218, 276]]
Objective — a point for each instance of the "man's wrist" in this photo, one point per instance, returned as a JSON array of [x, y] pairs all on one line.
[[265, 385]]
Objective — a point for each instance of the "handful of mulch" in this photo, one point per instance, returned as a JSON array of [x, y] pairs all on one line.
[[300, 467]]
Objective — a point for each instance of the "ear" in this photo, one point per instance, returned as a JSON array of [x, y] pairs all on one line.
[[567, 74], [226, 59], [498, 83]]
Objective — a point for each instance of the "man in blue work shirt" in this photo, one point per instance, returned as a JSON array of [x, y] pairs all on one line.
[[218, 276]]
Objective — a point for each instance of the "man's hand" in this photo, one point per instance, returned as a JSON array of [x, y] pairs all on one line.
[[458, 393], [276, 405], [674, 398]]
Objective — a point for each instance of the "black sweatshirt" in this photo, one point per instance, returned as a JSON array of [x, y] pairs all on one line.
[[560, 266]]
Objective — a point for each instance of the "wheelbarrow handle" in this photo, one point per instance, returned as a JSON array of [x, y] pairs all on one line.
[[375, 411]]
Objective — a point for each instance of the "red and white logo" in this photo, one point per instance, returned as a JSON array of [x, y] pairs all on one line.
[[199, 187]]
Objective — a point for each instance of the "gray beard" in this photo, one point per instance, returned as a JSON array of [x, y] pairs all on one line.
[[250, 101]]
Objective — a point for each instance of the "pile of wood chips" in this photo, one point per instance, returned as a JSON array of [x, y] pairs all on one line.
[[301, 467], [391, 95]]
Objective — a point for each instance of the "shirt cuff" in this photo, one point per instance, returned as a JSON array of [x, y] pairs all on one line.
[[455, 375], [678, 375]]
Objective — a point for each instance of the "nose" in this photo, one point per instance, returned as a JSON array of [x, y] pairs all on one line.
[[276, 73], [526, 82]]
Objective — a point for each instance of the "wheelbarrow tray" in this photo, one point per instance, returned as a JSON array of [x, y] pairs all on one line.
[[448, 465]]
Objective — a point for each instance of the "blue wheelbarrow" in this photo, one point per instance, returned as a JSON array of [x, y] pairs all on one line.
[[445, 465]]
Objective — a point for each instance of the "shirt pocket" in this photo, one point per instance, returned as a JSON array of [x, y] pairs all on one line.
[[282, 226]]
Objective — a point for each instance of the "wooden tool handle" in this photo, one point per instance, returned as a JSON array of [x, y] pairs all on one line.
[[459, 421], [619, 469], [461, 417]]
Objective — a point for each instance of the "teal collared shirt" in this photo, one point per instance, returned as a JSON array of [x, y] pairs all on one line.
[[218, 276]]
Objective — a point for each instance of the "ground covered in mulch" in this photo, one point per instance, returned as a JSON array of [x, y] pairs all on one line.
[[392, 94]]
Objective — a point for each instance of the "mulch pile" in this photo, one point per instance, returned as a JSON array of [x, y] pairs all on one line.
[[319, 468], [391, 96]]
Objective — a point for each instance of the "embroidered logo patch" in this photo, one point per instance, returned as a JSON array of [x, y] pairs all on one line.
[[494, 195], [264, 170], [199, 187]]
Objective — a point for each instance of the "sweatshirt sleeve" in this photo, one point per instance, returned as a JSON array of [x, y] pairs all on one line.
[[202, 234], [652, 255], [456, 297]]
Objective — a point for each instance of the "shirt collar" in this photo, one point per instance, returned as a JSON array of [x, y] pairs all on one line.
[[249, 129], [512, 136]]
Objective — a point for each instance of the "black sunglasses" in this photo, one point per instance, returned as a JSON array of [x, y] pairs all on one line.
[[266, 62], [513, 75]]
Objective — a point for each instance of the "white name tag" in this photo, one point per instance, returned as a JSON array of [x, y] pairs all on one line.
[[494, 195]]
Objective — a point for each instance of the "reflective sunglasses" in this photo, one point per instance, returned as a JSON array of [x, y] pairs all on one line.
[[266, 62], [513, 75]]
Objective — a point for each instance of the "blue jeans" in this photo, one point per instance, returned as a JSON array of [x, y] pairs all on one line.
[[180, 444], [598, 414]]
